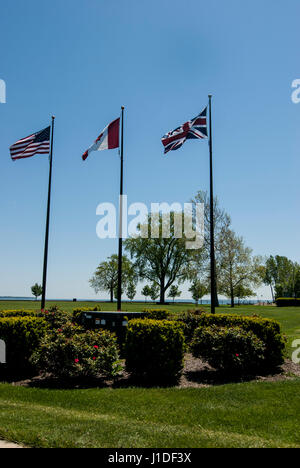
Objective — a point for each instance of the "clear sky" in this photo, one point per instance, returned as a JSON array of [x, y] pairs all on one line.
[[82, 60]]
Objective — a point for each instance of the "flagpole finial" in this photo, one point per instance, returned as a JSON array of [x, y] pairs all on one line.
[[53, 117], [122, 107], [210, 95]]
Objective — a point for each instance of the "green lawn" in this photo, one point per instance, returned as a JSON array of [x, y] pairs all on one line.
[[253, 414], [289, 317], [256, 414]]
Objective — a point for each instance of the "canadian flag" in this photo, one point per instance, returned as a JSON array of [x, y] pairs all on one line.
[[108, 139]]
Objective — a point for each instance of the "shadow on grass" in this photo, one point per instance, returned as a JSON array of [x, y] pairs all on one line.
[[209, 376], [205, 376]]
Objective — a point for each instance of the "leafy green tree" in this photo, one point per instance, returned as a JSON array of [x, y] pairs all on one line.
[[238, 266], [174, 292], [297, 282], [161, 260], [283, 276], [146, 291], [222, 222], [243, 293], [198, 290], [131, 290], [105, 277], [154, 292], [36, 290]]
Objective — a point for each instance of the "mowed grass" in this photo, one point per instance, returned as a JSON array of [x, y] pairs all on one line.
[[252, 414], [288, 317], [256, 414]]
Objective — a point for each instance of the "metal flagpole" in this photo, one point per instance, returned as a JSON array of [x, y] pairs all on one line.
[[47, 221], [121, 218], [212, 236]]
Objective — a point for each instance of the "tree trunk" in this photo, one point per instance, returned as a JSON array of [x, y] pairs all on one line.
[[162, 291], [216, 296], [111, 294], [232, 298]]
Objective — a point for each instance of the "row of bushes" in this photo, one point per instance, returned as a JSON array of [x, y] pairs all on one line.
[[153, 348], [20, 313], [287, 302]]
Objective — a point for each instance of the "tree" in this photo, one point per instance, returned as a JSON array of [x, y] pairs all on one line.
[[36, 290], [198, 290], [106, 276], [154, 292], [297, 282], [283, 276], [161, 260], [221, 221], [238, 266], [242, 293], [174, 292], [146, 291], [131, 290]]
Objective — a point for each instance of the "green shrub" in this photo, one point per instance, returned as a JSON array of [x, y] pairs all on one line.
[[287, 302], [156, 314], [56, 318], [231, 349], [20, 313], [78, 313], [267, 330], [22, 336], [154, 349], [72, 352], [190, 320]]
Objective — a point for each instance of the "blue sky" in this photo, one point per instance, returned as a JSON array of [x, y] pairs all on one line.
[[82, 60]]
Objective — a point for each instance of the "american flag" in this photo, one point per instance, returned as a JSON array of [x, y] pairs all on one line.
[[37, 143], [193, 129]]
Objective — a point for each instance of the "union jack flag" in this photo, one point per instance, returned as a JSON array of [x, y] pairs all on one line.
[[193, 129]]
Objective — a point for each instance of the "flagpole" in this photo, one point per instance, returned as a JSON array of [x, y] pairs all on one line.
[[120, 254], [47, 221], [212, 235]]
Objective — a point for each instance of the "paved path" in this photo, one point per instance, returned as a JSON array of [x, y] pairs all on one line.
[[4, 444]]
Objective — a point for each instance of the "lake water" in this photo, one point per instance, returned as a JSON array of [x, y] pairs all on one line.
[[180, 301]]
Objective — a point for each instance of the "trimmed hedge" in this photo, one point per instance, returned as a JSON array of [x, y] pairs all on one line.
[[22, 336], [287, 302], [267, 330], [230, 349], [190, 320], [156, 314], [20, 313], [154, 349]]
